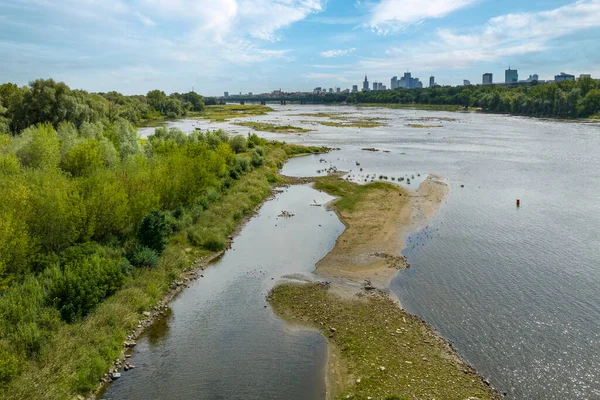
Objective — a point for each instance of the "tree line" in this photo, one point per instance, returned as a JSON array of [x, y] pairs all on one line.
[[47, 101], [567, 99], [85, 202]]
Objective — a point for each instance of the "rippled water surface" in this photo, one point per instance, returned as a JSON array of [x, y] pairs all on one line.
[[516, 290]]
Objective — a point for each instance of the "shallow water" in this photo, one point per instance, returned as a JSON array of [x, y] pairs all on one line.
[[219, 341], [516, 290]]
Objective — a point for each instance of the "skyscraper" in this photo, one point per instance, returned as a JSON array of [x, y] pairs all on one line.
[[366, 84], [354, 88], [394, 83], [487, 78], [431, 81], [511, 76], [375, 86], [466, 82], [379, 86]]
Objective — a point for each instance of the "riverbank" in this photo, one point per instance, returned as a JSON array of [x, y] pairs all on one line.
[[378, 218], [377, 349], [80, 356]]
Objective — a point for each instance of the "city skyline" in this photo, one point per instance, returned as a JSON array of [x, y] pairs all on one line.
[[255, 46]]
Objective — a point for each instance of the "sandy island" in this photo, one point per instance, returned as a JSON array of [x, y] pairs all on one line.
[[376, 231], [376, 349]]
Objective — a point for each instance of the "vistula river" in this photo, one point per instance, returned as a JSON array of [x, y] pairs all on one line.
[[517, 290]]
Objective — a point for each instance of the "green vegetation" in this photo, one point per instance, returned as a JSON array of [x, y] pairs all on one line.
[[355, 123], [94, 227], [47, 101], [325, 115], [421, 126], [567, 99], [349, 194], [385, 352], [265, 127], [223, 112], [429, 107]]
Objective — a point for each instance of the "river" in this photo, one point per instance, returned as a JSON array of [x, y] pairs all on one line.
[[517, 290]]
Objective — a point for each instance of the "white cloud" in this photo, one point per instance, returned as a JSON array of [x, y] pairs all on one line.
[[501, 37], [337, 53], [145, 20], [392, 15]]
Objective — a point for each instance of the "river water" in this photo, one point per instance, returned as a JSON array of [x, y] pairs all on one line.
[[516, 289]]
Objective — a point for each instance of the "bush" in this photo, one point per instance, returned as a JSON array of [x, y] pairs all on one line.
[[144, 257], [238, 144], [260, 151], [80, 286], [154, 231], [257, 158]]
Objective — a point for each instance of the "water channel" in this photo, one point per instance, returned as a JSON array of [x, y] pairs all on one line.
[[516, 289]]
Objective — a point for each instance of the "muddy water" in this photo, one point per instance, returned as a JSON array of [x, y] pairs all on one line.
[[219, 341], [516, 290]]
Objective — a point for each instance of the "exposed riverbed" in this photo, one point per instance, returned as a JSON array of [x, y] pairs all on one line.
[[517, 290]]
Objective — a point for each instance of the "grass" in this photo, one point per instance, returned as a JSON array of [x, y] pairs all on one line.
[[79, 354], [423, 126], [265, 127], [350, 195], [221, 113], [357, 123], [433, 107], [385, 352], [325, 115]]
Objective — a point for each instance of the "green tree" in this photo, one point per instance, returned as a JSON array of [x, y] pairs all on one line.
[[154, 231], [41, 148]]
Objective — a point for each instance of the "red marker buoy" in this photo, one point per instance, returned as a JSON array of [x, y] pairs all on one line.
[[518, 202]]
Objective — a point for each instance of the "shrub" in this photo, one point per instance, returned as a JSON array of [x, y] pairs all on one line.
[[80, 286], [260, 151], [154, 231], [257, 158], [238, 144], [144, 257]]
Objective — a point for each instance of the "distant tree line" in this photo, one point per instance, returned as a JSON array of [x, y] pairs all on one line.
[[567, 99], [47, 101]]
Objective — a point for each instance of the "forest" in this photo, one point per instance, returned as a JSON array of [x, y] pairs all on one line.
[[47, 101], [95, 222], [567, 99]]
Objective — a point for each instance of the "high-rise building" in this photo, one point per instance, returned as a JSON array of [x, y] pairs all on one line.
[[354, 88], [408, 82], [249, 93], [431, 81], [379, 86], [584, 76], [330, 90], [488, 78], [511, 76], [366, 84], [375, 86], [338, 90], [226, 94], [466, 82], [532, 78], [383, 87], [394, 83], [564, 77]]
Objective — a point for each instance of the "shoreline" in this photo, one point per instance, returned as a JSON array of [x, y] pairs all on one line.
[[360, 279]]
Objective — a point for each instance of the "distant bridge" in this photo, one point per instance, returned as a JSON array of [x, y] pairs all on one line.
[[264, 100]]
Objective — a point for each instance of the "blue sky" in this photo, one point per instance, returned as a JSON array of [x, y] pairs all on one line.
[[133, 46]]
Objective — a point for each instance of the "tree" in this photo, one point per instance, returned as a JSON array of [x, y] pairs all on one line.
[[591, 102], [41, 148], [154, 231]]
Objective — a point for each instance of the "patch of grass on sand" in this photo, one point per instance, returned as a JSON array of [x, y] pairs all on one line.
[[356, 123], [348, 194], [220, 113], [381, 351], [325, 115], [261, 126], [432, 107], [423, 126]]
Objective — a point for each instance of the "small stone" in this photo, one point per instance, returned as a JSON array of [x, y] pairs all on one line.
[[146, 313], [358, 380], [332, 330], [408, 362], [382, 368], [116, 375]]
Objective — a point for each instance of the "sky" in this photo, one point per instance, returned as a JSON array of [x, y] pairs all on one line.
[[212, 46]]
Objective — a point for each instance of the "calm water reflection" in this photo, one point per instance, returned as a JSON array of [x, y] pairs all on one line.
[[516, 290]]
